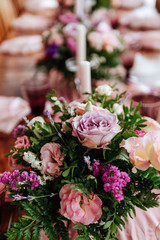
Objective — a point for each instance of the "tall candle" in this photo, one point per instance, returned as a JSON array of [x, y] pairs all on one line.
[[81, 46], [85, 78], [79, 8]]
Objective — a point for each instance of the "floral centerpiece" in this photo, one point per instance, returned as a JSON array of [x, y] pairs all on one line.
[[89, 170], [104, 46]]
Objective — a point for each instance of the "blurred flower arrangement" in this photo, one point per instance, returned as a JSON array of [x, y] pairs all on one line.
[[89, 170], [104, 46]]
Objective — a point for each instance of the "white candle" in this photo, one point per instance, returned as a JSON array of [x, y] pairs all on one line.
[[85, 78], [80, 46], [79, 8]]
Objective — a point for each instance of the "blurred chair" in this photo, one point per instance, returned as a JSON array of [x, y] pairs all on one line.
[[19, 4], [8, 12]]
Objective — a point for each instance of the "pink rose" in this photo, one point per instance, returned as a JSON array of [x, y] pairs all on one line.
[[80, 108], [95, 128], [152, 125], [78, 208], [12, 163], [151, 144], [52, 158], [137, 153], [22, 142]]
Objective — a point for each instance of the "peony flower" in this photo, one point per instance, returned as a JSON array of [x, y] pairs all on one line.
[[95, 128], [22, 142], [152, 146], [104, 90], [78, 208], [52, 158]]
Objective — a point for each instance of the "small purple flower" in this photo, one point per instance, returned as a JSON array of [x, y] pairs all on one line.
[[114, 180], [19, 131], [29, 198], [88, 162], [49, 116], [5, 177], [17, 197], [52, 50], [35, 184], [95, 168]]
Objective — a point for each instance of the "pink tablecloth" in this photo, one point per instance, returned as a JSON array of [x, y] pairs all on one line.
[[145, 226]]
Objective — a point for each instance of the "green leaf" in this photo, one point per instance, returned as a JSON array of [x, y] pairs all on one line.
[[66, 172], [107, 224]]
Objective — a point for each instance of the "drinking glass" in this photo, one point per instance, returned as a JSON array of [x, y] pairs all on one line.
[[150, 105], [34, 91]]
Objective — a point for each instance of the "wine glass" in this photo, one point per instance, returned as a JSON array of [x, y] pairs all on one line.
[[127, 60], [34, 91]]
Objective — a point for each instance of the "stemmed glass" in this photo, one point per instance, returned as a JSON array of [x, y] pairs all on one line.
[[34, 91], [127, 60]]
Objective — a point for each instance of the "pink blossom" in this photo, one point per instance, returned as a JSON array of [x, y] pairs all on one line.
[[140, 133], [80, 108], [95, 128], [22, 142], [52, 158], [78, 208], [137, 153], [12, 163], [56, 38], [152, 125], [70, 30], [71, 44], [68, 18], [152, 146]]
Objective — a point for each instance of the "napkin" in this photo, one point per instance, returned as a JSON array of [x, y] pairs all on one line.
[[22, 45], [30, 22], [12, 110], [127, 4], [143, 18]]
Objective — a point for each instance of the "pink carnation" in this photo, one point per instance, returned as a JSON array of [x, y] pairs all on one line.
[[78, 208], [52, 158], [22, 142], [12, 163]]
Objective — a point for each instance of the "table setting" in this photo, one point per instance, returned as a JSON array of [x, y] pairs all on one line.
[[83, 133]]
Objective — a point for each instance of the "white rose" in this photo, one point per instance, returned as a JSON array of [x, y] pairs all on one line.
[[117, 108], [35, 119], [104, 90]]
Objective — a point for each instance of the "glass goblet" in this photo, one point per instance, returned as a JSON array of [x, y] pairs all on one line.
[[34, 91]]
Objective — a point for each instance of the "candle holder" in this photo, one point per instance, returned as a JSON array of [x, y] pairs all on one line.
[[150, 105]]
